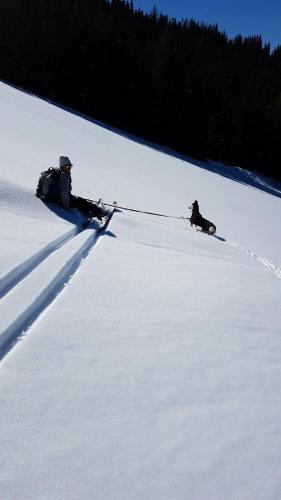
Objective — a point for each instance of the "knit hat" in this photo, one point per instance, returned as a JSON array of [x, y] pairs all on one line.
[[65, 161]]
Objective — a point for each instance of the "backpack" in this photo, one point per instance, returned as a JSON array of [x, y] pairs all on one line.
[[48, 187]]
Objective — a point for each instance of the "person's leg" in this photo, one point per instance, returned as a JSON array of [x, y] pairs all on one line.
[[86, 207]]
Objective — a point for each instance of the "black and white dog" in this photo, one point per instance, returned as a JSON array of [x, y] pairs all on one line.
[[197, 219]]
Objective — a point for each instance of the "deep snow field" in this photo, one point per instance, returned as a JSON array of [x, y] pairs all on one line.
[[143, 363]]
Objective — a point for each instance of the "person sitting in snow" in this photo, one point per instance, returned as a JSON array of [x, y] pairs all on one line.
[[55, 185]]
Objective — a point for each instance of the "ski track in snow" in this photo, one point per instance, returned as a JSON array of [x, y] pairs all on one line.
[[271, 267], [22, 279], [11, 279], [48, 272]]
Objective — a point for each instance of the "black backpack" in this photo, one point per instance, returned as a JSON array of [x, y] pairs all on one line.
[[48, 187]]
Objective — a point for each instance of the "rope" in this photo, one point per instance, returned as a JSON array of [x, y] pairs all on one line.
[[144, 212]]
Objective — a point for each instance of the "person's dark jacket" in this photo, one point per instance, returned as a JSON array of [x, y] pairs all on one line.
[[65, 185]]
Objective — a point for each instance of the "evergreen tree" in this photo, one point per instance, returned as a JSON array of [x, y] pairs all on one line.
[[183, 84]]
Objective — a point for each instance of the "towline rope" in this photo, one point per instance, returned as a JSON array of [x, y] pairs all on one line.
[[144, 212]]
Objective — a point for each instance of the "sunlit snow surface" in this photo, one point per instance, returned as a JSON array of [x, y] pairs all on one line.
[[146, 362]]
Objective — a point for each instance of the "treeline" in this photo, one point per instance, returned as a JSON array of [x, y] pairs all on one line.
[[182, 84]]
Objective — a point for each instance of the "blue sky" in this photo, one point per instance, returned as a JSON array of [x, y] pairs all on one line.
[[248, 17]]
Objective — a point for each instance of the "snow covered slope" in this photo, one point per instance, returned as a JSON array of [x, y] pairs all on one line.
[[146, 362]]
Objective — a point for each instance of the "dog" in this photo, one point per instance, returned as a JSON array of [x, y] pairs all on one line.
[[196, 219]]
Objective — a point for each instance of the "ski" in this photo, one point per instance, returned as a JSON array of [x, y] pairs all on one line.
[[103, 227], [106, 220]]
